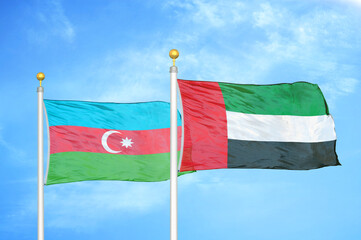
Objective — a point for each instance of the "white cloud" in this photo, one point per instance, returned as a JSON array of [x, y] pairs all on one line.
[[305, 41], [210, 13], [348, 85], [83, 205], [214, 186], [80, 205], [267, 16], [338, 87], [13, 152], [230, 42], [353, 2], [313, 44], [52, 22], [136, 75], [125, 75], [280, 37]]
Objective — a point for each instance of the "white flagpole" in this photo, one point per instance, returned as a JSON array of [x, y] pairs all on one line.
[[40, 76], [173, 148]]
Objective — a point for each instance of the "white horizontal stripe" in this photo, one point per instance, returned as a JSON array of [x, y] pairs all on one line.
[[280, 128]]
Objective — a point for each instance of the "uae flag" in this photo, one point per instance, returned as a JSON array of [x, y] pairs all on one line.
[[108, 141], [282, 126]]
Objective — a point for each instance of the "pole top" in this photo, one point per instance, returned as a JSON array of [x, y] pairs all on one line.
[[173, 54], [40, 76]]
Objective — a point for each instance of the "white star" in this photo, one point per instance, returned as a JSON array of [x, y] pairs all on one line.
[[127, 142]]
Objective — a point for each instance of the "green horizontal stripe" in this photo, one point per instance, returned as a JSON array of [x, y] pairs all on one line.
[[298, 99], [68, 167]]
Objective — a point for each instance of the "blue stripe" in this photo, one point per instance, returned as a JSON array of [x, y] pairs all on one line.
[[122, 116]]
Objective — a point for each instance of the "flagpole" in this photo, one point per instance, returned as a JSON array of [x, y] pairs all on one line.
[[173, 148], [40, 76]]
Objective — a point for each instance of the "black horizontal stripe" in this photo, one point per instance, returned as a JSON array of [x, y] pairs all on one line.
[[281, 155]]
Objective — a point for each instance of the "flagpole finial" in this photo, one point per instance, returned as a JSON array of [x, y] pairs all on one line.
[[173, 54], [40, 76]]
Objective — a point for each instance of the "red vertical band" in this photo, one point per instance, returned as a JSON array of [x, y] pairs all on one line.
[[205, 126]]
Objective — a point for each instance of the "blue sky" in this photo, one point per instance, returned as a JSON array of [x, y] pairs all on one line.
[[118, 51]]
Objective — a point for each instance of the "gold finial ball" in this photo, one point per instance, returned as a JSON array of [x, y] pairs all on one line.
[[40, 76], [173, 53]]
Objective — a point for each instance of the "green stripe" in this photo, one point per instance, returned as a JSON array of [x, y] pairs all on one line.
[[298, 99], [68, 167]]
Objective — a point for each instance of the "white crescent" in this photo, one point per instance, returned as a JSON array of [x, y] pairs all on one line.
[[105, 139]]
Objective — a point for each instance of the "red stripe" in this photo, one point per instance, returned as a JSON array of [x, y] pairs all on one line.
[[205, 126], [84, 139]]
